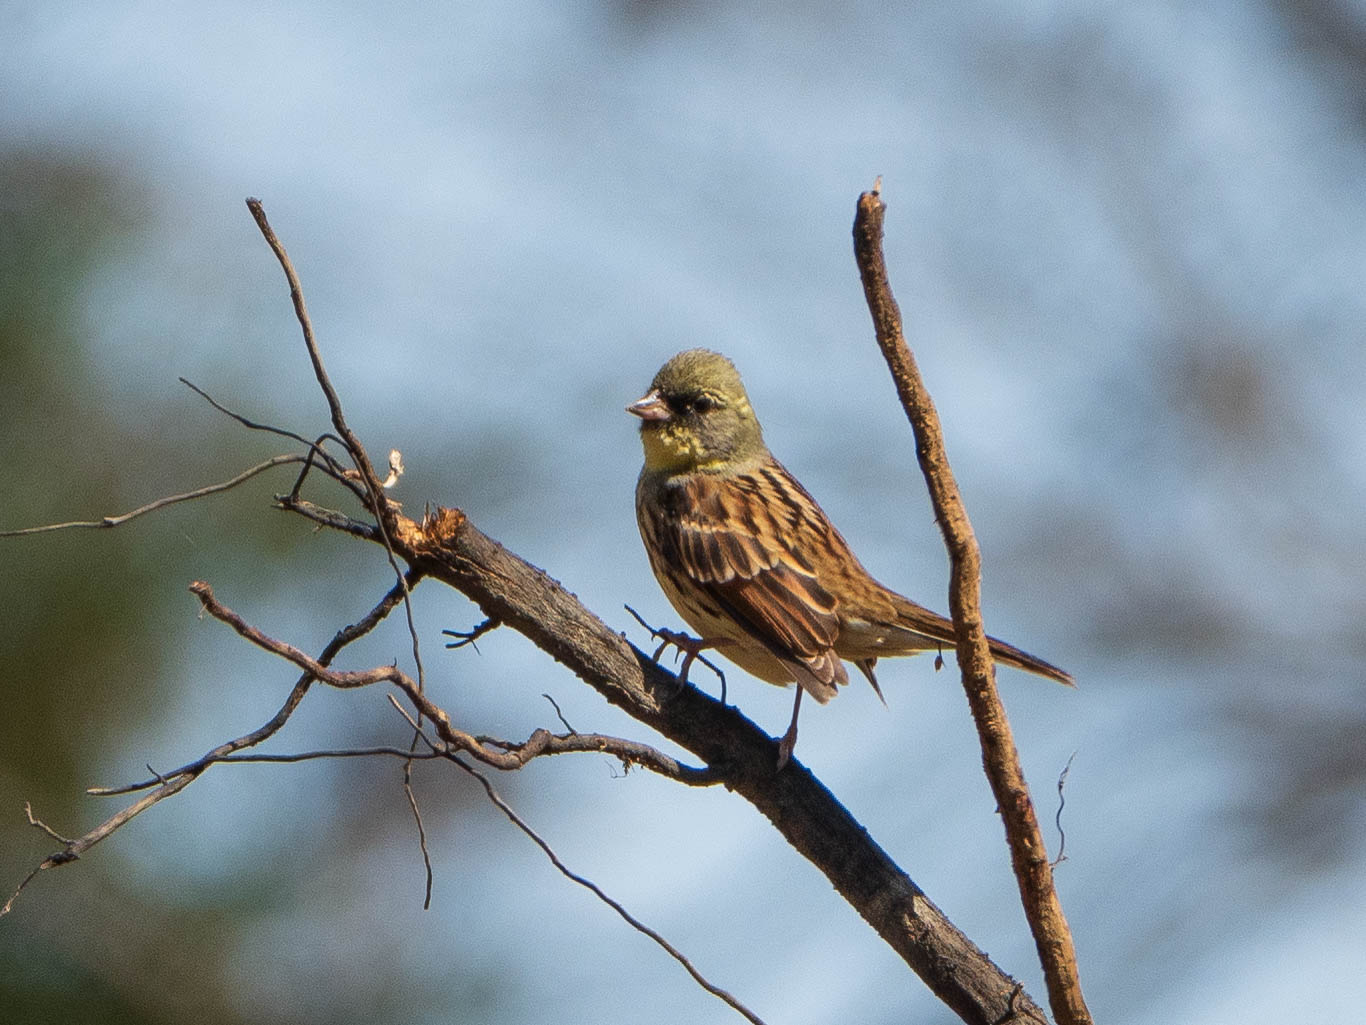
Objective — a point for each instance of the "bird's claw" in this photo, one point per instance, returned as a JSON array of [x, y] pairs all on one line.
[[689, 646]]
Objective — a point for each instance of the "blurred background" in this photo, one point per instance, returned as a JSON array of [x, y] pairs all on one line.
[[1128, 241]]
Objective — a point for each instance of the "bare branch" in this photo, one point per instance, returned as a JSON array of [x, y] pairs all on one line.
[[1029, 856], [296, 295], [160, 503]]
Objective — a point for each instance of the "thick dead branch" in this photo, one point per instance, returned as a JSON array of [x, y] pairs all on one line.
[[1000, 758]]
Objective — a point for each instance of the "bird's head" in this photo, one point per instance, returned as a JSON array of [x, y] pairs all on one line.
[[696, 416]]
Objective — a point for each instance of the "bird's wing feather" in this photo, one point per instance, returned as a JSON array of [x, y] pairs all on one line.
[[739, 538]]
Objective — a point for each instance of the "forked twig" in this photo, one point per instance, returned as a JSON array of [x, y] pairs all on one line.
[[472, 635]]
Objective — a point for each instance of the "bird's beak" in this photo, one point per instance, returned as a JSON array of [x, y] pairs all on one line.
[[650, 407]]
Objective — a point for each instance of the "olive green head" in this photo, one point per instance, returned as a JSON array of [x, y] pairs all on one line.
[[696, 416]]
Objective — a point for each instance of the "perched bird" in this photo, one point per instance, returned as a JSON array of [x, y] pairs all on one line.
[[749, 559]]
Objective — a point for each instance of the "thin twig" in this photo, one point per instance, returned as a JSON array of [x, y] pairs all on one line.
[[160, 503], [558, 714], [333, 468], [296, 295], [470, 636], [417, 817], [329, 518], [250, 424], [1052, 937], [5, 909], [1057, 818], [40, 824], [262, 758], [413, 755], [597, 891]]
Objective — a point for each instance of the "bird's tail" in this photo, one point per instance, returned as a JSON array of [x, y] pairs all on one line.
[[938, 630], [1013, 656]]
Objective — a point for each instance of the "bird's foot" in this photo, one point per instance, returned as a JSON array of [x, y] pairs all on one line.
[[690, 647]]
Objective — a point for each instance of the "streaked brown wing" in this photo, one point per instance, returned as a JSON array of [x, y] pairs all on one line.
[[739, 539]]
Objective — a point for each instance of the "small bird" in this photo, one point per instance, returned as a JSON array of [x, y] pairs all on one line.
[[749, 559]]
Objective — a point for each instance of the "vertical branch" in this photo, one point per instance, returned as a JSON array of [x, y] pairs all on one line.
[[296, 295], [1028, 855]]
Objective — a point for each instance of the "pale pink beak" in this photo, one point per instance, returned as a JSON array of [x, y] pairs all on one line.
[[650, 407]]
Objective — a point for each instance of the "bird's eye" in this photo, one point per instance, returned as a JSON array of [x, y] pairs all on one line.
[[703, 403]]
